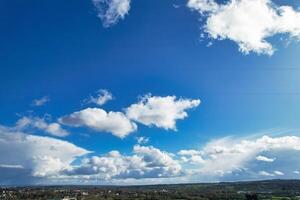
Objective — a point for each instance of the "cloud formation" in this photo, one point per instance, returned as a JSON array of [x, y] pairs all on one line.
[[111, 11], [35, 160], [30, 159], [265, 159], [54, 129], [142, 140], [249, 23], [146, 162], [191, 156], [271, 174], [229, 155], [101, 98], [40, 102], [100, 120], [264, 173], [25, 157], [162, 112]]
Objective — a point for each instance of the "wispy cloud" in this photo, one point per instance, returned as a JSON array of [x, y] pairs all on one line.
[[54, 129], [11, 166], [242, 157], [40, 102], [264, 173], [265, 159], [142, 140], [271, 174], [102, 96], [111, 11]]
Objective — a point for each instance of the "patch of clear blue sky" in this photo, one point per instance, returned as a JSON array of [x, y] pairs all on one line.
[[60, 49]]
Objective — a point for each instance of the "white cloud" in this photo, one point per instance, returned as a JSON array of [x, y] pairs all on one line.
[[155, 158], [100, 120], [249, 23], [12, 166], [264, 173], [40, 102], [146, 162], [142, 140], [101, 98], [111, 11], [36, 158], [191, 156], [278, 173], [30, 159], [227, 155], [265, 159], [26, 156], [35, 122], [189, 152], [162, 112], [203, 6], [275, 173]]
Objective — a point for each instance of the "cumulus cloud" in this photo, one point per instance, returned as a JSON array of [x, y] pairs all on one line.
[[157, 158], [40, 102], [100, 120], [146, 162], [111, 11], [28, 156], [162, 112], [265, 159], [36, 159], [43, 159], [249, 23], [191, 156], [101, 97], [203, 6], [39, 123]]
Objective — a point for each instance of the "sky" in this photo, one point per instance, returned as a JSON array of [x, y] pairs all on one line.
[[147, 92]]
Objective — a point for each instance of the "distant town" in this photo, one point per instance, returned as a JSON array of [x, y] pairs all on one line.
[[258, 190]]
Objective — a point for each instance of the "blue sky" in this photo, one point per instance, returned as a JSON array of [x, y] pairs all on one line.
[[63, 53]]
